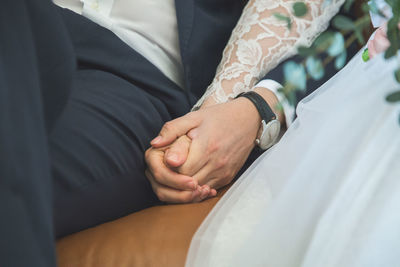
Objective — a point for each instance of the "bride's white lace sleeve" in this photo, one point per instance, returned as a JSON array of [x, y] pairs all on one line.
[[260, 41]]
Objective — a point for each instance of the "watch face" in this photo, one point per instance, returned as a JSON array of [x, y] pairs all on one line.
[[270, 133]]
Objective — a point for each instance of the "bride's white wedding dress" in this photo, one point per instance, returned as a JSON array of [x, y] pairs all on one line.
[[328, 194]]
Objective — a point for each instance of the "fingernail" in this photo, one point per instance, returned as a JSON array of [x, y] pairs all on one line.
[[156, 140], [172, 156]]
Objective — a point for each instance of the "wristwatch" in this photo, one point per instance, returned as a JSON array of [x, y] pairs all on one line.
[[270, 125]]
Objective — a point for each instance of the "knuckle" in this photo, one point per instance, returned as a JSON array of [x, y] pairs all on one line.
[[193, 134], [185, 198], [157, 175], [147, 155], [168, 127], [161, 196]]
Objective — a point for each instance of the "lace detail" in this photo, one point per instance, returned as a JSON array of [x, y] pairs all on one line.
[[260, 42]]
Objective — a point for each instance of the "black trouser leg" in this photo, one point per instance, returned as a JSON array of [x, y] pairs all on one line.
[[26, 232], [32, 62], [97, 151], [118, 103]]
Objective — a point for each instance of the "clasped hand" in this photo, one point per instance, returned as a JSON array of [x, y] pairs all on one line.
[[202, 151]]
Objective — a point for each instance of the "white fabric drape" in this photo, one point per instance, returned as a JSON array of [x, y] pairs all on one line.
[[328, 194]]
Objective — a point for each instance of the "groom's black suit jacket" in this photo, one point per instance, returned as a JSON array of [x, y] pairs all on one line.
[[204, 29]]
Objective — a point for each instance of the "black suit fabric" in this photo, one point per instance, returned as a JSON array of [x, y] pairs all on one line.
[[119, 102], [204, 30], [36, 64]]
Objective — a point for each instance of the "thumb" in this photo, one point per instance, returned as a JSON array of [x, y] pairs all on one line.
[[177, 153], [174, 129]]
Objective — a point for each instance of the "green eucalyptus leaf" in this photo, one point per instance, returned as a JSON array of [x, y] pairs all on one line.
[[391, 51], [340, 60], [305, 51], [315, 68], [347, 5], [360, 37], [365, 7], [393, 97], [291, 97], [337, 45], [392, 24], [324, 41], [397, 75], [391, 3], [300, 9], [284, 18], [393, 35], [295, 75], [363, 22], [343, 23], [395, 5]]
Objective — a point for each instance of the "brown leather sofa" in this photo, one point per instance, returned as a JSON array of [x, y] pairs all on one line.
[[158, 236]]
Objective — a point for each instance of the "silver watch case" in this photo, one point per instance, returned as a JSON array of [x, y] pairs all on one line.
[[269, 133]]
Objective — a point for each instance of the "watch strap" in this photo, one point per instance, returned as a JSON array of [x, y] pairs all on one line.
[[261, 105]]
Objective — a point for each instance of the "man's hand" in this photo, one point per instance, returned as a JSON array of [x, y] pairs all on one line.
[[168, 185], [222, 136]]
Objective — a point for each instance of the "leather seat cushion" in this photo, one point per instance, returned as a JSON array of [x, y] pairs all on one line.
[[158, 236]]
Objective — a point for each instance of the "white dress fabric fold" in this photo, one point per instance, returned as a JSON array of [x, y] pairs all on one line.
[[328, 194]]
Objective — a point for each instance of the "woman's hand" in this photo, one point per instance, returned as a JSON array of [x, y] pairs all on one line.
[[222, 136]]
